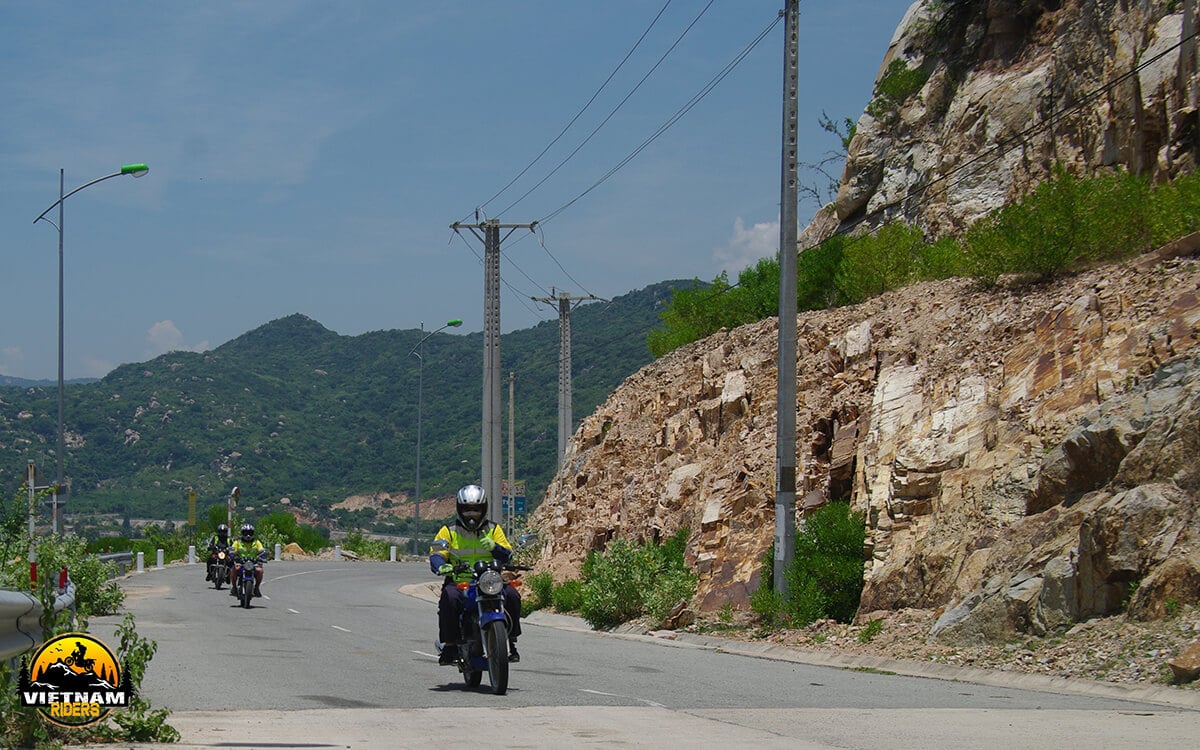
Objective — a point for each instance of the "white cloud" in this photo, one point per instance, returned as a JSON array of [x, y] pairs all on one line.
[[747, 246], [165, 337]]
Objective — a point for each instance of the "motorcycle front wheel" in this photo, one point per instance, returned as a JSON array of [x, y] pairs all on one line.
[[497, 656]]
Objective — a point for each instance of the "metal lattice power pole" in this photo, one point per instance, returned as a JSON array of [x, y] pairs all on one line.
[[489, 232], [565, 418], [785, 436]]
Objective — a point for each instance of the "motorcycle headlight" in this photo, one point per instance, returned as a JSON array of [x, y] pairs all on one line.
[[490, 583]]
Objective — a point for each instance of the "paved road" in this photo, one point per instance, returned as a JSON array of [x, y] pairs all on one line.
[[340, 655]]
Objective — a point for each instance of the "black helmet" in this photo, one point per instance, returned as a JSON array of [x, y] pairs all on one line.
[[472, 507], [223, 532], [247, 532]]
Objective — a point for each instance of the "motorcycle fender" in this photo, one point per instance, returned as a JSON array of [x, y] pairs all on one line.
[[486, 618]]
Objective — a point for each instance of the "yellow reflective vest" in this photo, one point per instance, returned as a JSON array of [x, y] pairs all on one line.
[[465, 546]]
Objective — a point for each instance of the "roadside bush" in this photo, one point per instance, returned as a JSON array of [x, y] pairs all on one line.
[[282, 528], [365, 548], [628, 581], [874, 264], [689, 316], [95, 594], [540, 585], [826, 575], [942, 259], [567, 596], [817, 275], [611, 594], [95, 591], [1174, 210]]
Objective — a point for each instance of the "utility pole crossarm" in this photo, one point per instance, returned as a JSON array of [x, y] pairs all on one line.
[[483, 226]]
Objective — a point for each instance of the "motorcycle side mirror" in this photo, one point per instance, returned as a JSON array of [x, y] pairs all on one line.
[[441, 545], [526, 540]]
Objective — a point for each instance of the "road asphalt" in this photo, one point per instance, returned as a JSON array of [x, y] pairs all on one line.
[[1176, 724]]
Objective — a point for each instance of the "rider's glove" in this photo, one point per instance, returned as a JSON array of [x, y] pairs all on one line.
[[487, 543], [445, 569]]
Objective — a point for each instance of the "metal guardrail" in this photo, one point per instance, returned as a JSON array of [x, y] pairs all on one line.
[[21, 619], [21, 613], [121, 559]]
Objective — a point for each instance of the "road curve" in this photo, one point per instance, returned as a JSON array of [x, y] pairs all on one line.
[[625, 696]]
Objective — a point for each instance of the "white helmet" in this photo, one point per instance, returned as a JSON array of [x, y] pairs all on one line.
[[472, 507]]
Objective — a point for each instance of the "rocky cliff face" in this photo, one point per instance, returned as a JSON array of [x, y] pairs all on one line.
[[1025, 457], [977, 101], [1033, 448]]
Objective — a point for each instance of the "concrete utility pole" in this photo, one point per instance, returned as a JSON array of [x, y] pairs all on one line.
[[512, 452], [1187, 56], [489, 232], [565, 418], [785, 436]]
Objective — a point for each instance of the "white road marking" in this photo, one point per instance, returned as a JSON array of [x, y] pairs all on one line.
[[306, 572], [339, 627], [294, 612], [629, 697]]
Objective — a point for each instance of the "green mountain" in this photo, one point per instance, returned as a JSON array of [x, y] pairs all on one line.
[[292, 409]]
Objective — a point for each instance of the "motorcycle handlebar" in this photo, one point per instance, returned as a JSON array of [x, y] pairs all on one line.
[[462, 567]]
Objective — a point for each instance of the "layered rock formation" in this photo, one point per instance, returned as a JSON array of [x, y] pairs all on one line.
[[1031, 448], [1024, 457], [976, 102]]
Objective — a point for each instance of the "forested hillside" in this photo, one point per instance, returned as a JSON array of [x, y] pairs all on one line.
[[292, 409]]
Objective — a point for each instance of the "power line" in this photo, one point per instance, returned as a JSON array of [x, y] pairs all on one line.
[[521, 295], [704, 91], [675, 117], [679, 114], [583, 109], [615, 109]]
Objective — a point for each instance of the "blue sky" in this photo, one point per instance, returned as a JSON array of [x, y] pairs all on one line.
[[309, 157]]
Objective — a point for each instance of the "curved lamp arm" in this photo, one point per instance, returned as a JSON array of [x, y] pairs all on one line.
[[136, 170], [455, 323]]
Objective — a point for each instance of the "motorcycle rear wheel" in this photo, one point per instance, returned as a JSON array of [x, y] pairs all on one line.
[[496, 638]]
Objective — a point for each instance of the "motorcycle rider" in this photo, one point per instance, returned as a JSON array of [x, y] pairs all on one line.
[[472, 538], [219, 541], [248, 548]]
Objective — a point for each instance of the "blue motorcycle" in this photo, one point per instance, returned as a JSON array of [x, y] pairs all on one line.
[[484, 625], [243, 579]]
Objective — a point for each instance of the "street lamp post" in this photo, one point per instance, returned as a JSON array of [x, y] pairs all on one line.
[[136, 170], [418, 352]]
